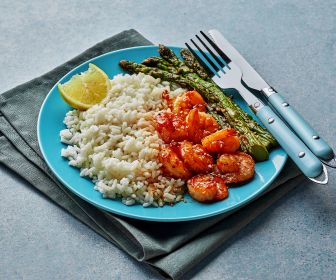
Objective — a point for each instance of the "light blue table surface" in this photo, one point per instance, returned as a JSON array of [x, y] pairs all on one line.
[[293, 45]]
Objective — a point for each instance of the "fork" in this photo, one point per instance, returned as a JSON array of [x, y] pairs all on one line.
[[226, 74]]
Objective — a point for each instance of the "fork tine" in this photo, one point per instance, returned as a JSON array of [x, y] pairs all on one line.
[[214, 66], [221, 64], [218, 50], [204, 65]]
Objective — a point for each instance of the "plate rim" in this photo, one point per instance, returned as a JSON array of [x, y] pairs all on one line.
[[134, 216]]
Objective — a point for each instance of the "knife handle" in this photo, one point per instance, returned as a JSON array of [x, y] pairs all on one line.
[[308, 134], [309, 164]]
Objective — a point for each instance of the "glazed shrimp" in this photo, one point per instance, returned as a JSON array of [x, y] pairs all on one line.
[[236, 168], [188, 101], [196, 158], [207, 188], [171, 127], [222, 141], [172, 165], [200, 125]]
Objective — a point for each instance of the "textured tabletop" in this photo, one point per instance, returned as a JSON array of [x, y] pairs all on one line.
[[293, 45]]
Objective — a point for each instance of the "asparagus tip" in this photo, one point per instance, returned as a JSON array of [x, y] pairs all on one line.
[[184, 50], [150, 61], [164, 51], [123, 63]]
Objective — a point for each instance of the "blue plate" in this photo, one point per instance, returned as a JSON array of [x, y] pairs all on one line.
[[50, 123]]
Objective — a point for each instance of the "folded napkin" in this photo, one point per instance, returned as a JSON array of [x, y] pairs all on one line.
[[171, 248]]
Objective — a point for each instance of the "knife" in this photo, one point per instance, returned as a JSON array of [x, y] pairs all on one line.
[[299, 125]]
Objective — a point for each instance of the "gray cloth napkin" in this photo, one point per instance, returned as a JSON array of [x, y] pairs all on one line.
[[171, 248]]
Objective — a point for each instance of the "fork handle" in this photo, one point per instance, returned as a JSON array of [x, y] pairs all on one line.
[[309, 164], [301, 127]]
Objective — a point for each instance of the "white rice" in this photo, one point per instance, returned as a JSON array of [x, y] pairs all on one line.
[[116, 145]]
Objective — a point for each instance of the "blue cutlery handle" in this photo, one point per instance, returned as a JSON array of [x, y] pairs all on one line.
[[308, 135], [309, 164]]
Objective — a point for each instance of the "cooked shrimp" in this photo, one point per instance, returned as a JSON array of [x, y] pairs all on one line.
[[177, 127], [207, 188], [199, 125], [172, 165], [188, 101], [222, 141], [196, 158], [171, 127], [237, 167]]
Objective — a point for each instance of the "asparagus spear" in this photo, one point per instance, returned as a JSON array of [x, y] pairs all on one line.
[[155, 72], [160, 63], [193, 64], [250, 143]]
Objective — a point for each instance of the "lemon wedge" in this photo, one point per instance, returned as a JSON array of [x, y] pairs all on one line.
[[86, 89]]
